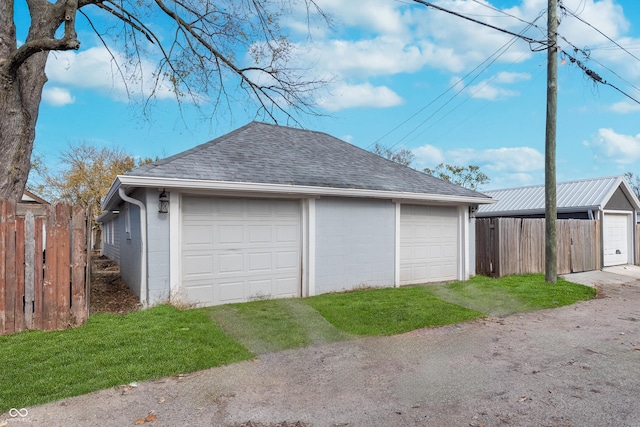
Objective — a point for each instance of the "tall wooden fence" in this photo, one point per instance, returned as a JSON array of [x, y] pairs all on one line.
[[507, 246], [44, 266]]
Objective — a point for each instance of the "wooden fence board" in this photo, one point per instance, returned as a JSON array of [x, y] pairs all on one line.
[[78, 263], [49, 301], [63, 261], [38, 271], [20, 270]]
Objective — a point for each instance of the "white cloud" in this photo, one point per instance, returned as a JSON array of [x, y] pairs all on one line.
[[427, 156], [57, 96], [609, 145], [361, 95], [96, 68], [625, 107], [505, 167]]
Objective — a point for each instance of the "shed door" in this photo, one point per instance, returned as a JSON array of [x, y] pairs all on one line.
[[616, 239], [235, 250], [428, 244]]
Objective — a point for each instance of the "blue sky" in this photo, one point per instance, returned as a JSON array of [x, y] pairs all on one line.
[[407, 77]]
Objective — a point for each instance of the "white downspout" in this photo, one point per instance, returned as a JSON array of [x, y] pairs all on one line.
[[143, 243]]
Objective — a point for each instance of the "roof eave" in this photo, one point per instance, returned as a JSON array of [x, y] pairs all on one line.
[[128, 181]]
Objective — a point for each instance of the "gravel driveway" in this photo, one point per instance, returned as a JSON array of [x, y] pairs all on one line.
[[573, 366]]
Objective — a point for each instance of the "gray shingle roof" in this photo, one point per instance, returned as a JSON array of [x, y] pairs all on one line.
[[572, 196], [271, 154]]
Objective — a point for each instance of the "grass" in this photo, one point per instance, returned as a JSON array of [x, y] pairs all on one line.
[[110, 350], [389, 311], [512, 294], [275, 325]]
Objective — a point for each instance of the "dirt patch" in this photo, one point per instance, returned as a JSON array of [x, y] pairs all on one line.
[[109, 293]]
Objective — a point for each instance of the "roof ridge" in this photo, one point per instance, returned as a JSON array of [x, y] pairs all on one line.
[[557, 183]]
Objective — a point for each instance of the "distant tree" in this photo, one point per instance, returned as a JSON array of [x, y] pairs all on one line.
[[85, 177], [469, 177], [634, 182], [401, 156]]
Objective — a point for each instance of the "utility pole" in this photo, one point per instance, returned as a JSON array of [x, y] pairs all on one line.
[[551, 209]]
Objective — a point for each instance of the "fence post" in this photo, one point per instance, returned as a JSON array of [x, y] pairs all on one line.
[[9, 243]]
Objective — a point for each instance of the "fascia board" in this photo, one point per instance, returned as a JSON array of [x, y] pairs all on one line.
[[113, 192], [193, 184]]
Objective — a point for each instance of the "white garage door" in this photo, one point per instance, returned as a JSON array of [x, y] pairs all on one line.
[[616, 239], [235, 250], [428, 244]]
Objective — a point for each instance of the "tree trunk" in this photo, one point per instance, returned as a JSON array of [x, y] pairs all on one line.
[[19, 103]]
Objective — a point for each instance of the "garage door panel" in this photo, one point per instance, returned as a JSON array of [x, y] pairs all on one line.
[[196, 293], [196, 207], [230, 234], [231, 291], [259, 288], [230, 263], [260, 262], [260, 234], [198, 266], [287, 233], [287, 287], [198, 236], [256, 250], [229, 208], [287, 260]]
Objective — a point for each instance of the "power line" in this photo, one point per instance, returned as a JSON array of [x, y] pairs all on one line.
[[568, 11], [513, 16], [497, 54], [502, 30], [587, 56], [595, 76]]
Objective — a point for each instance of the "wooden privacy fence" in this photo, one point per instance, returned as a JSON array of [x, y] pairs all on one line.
[[44, 266], [507, 246]]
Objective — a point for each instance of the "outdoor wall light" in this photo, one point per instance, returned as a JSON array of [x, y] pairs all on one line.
[[163, 204]]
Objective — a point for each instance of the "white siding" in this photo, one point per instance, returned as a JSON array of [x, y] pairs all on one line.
[[111, 239], [355, 243]]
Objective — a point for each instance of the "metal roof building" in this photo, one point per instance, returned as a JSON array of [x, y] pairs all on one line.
[[609, 199]]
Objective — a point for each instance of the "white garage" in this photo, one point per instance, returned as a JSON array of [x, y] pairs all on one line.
[[616, 238], [235, 250], [428, 244], [269, 211]]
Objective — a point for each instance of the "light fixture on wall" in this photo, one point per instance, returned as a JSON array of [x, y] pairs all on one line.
[[163, 204]]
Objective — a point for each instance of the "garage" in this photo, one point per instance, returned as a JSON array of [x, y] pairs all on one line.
[[428, 244], [616, 238], [236, 250]]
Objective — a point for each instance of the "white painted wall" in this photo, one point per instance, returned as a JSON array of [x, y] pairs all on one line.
[[354, 243]]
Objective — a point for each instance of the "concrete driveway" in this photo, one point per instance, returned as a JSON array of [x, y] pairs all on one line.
[[572, 366]]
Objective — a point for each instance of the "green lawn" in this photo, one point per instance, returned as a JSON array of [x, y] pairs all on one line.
[[389, 311], [112, 350], [512, 294]]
